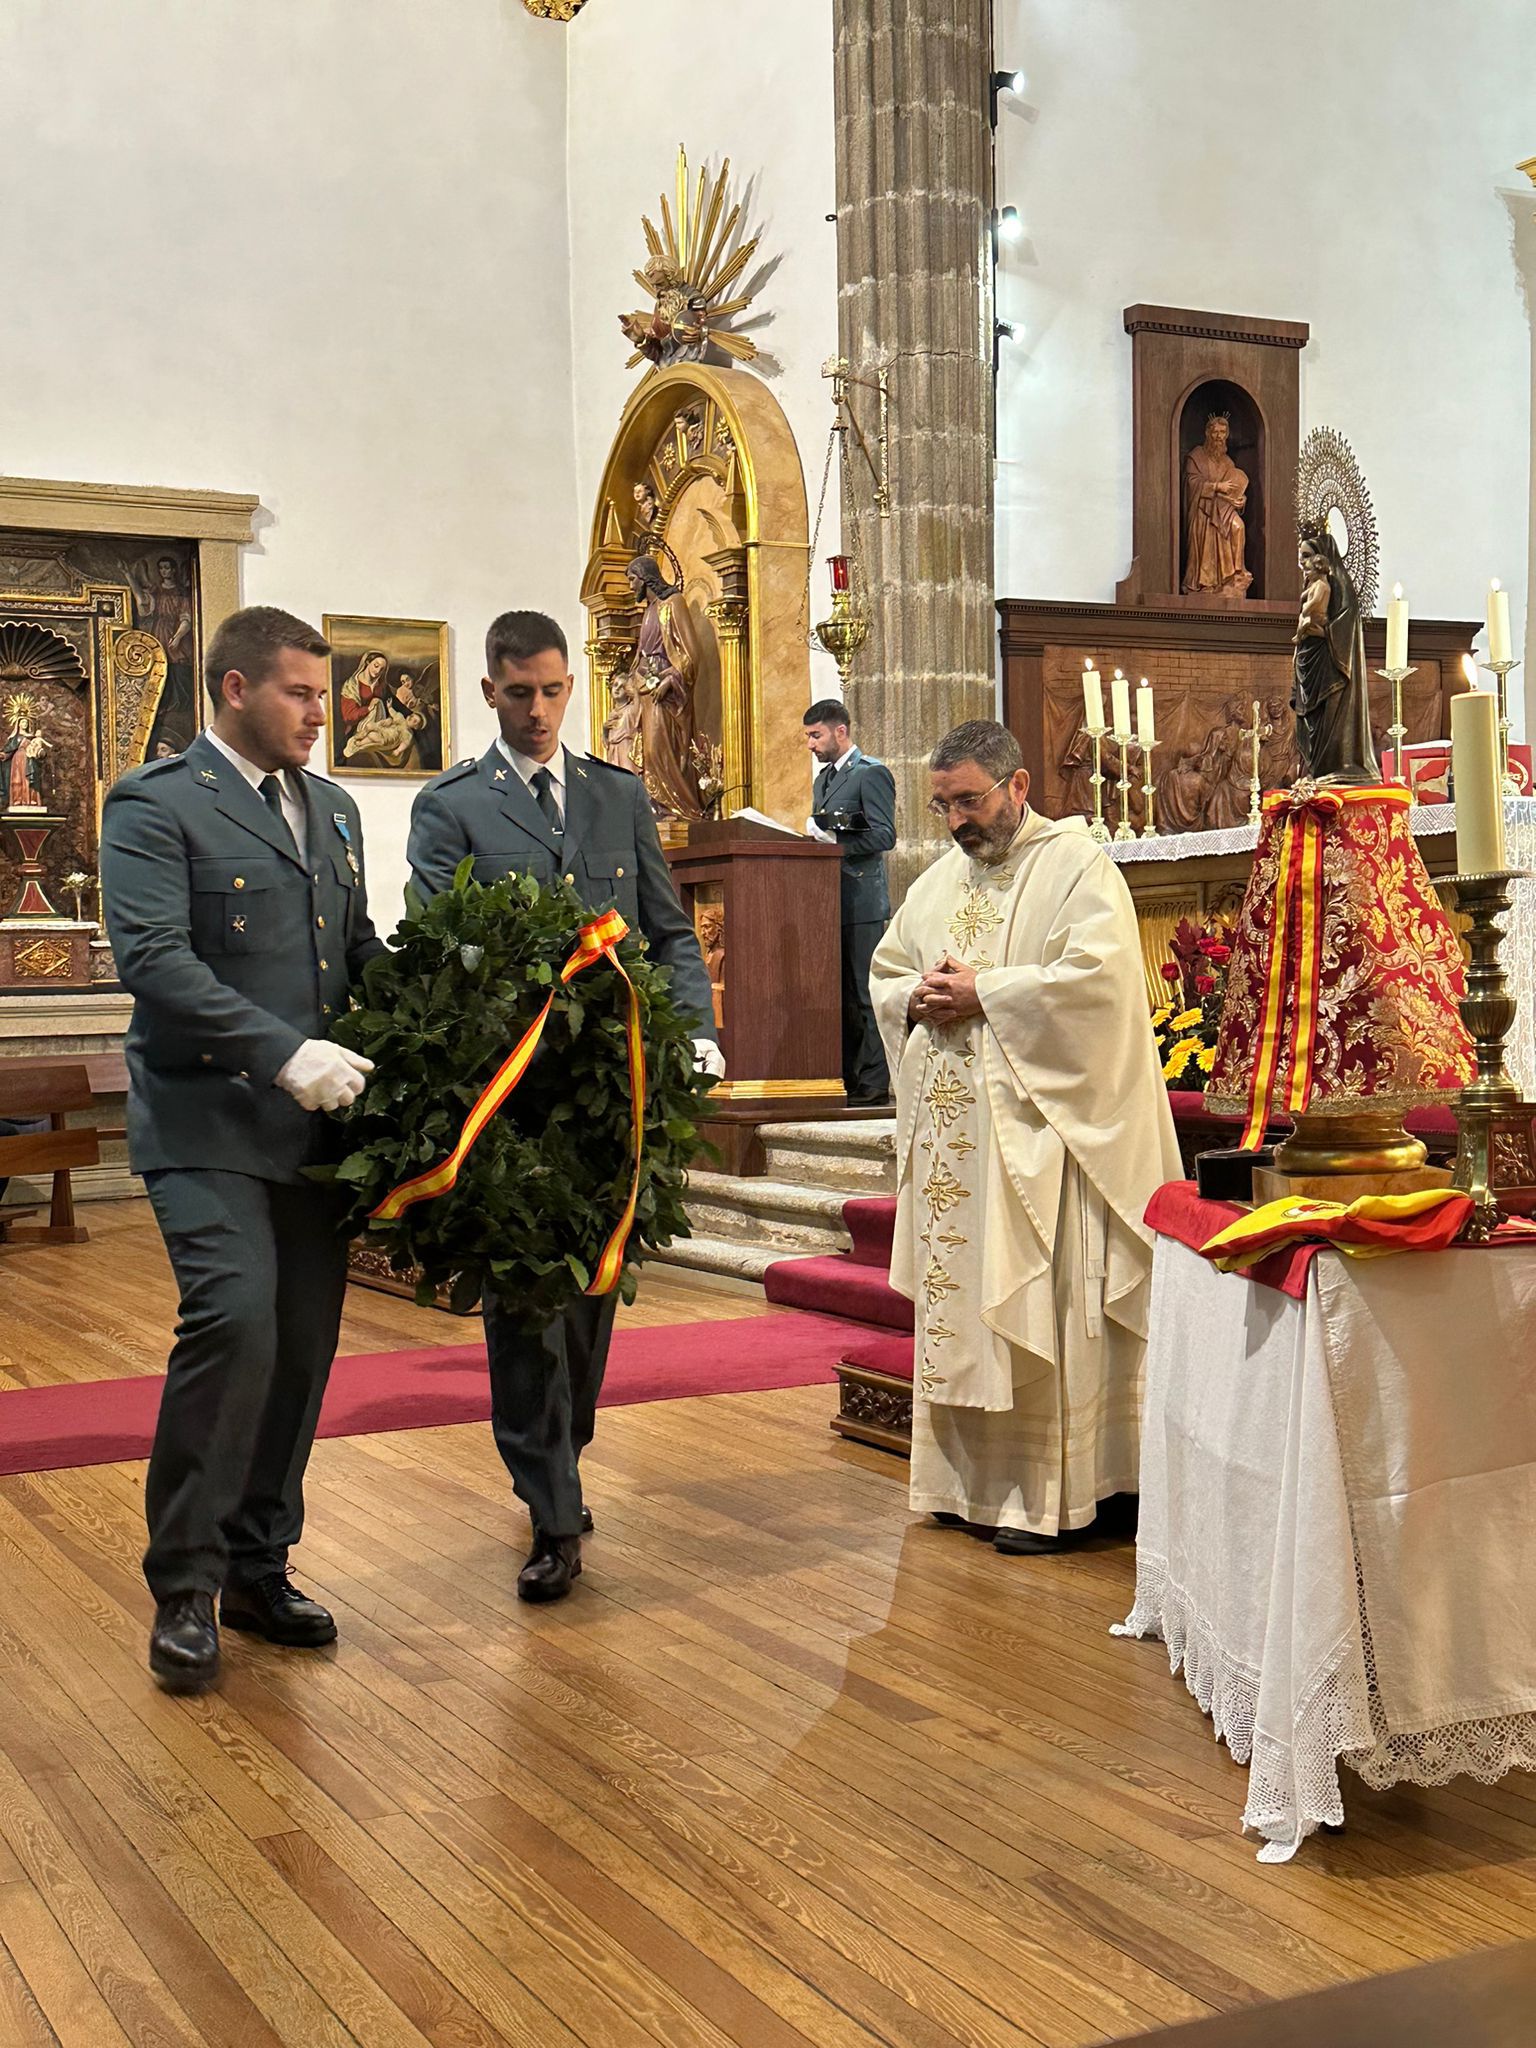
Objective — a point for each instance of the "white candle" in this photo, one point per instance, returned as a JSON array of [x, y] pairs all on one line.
[[1146, 728], [1120, 701], [1479, 784], [1093, 699], [1498, 623], [1397, 629]]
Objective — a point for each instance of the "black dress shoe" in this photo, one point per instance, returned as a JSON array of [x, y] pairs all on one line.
[[272, 1606], [1025, 1543], [586, 1521], [184, 1643], [552, 1564]]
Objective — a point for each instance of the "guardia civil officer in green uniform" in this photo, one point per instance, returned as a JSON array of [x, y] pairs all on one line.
[[232, 883], [854, 802], [531, 806]]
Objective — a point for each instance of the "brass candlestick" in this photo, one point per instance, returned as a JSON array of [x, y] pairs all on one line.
[[1098, 829], [1397, 732], [1499, 670], [1489, 1106], [1149, 829], [1125, 743]]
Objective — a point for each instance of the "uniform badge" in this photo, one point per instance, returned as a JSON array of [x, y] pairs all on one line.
[[500, 775], [209, 776]]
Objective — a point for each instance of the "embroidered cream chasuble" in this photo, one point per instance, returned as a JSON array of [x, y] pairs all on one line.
[[1028, 1143]]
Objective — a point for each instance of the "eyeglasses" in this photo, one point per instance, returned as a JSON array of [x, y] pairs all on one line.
[[966, 805]]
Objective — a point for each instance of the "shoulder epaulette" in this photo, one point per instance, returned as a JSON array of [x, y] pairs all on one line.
[[600, 761], [456, 773]]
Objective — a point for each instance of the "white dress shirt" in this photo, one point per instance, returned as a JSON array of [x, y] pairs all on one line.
[[528, 768], [295, 811]]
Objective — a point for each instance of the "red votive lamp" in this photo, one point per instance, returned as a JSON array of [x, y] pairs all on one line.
[[838, 564]]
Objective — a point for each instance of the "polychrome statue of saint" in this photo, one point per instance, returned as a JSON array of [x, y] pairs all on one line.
[[659, 680], [1215, 493]]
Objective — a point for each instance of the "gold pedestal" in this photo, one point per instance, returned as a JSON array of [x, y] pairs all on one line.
[[1495, 1155], [1341, 1157]]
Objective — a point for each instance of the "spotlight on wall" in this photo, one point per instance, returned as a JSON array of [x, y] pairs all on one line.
[[1007, 224], [1006, 330], [1005, 81]]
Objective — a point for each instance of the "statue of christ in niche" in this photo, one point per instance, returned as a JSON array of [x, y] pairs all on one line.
[[1215, 493]]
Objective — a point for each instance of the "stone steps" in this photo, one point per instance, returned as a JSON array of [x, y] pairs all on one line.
[[743, 1222]]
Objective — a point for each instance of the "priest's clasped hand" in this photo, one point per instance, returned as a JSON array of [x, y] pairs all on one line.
[[946, 994], [324, 1076]]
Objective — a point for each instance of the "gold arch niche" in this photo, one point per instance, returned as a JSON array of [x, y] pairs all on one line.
[[721, 461]]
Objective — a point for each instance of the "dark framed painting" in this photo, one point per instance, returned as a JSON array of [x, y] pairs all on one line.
[[389, 698]]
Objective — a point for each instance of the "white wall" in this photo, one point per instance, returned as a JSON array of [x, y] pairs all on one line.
[[313, 249], [1340, 164], [724, 81]]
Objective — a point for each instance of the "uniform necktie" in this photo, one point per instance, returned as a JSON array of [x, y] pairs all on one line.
[[544, 796], [272, 796]]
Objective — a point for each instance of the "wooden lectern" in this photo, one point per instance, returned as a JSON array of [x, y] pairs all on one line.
[[766, 905]]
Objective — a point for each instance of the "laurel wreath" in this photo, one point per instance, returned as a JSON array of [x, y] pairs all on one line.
[[546, 1181]]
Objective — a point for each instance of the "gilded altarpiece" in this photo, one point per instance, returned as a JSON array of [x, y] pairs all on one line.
[[705, 477]]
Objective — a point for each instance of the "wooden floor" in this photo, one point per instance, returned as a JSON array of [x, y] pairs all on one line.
[[789, 1768]]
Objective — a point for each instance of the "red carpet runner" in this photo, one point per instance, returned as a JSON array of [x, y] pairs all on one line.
[[102, 1422]]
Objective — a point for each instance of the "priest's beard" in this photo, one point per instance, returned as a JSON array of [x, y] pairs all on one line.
[[988, 843]]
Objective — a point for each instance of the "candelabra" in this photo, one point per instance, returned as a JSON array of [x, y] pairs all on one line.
[[1149, 829], [1125, 743], [1500, 672], [1493, 1147], [1397, 732], [1258, 733], [1098, 829]]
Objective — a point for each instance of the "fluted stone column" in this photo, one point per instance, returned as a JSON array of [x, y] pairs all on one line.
[[914, 292]]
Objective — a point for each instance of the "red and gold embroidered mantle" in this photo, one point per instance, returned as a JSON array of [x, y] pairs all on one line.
[[1345, 975]]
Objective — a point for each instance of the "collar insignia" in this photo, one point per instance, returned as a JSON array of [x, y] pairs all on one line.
[[209, 776]]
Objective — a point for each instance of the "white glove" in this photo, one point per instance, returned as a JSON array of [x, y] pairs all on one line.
[[324, 1076], [815, 831], [708, 1058]]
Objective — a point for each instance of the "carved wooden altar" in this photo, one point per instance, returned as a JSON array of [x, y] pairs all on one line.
[[704, 467]]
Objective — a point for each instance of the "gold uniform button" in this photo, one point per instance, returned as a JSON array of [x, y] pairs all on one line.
[[207, 1059], [244, 1076], [320, 923], [570, 881], [620, 873], [323, 965], [239, 881], [325, 1009]]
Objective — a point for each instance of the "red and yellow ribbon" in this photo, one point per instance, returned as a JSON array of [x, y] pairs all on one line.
[[1296, 944], [595, 941]]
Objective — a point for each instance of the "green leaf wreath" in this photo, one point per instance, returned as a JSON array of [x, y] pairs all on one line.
[[548, 1178]]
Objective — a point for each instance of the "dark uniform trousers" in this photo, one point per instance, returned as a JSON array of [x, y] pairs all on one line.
[[262, 1270], [865, 1074], [545, 1382]]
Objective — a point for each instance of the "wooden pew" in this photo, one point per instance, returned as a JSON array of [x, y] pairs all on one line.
[[31, 1089]]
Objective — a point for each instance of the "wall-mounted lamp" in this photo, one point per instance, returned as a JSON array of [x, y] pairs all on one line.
[[1005, 81]]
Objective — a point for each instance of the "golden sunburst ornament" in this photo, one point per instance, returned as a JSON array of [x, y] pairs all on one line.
[[555, 10], [687, 272]]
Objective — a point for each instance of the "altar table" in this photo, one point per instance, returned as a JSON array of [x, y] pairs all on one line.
[[1338, 1519]]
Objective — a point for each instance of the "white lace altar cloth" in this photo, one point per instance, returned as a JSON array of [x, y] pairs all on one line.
[[1425, 820], [1338, 1520]]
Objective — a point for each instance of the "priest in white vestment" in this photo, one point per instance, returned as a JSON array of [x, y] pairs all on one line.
[[1032, 1128]]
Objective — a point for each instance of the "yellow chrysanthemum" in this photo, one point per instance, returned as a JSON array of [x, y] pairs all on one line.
[[1186, 1018], [1178, 1060], [1205, 1058], [1161, 1015]]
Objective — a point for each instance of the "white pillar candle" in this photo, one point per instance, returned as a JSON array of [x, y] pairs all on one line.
[[1120, 702], [1146, 728], [1498, 623], [1479, 784], [1093, 699], [1397, 629]]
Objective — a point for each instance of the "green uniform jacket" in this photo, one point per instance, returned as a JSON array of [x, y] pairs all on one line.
[[865, 788], [609, 852], [234, 952]]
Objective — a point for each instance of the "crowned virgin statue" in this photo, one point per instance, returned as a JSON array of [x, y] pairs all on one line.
[[652, 725]]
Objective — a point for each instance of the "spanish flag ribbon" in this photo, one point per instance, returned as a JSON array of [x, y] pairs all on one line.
[[1296, 940], [1426, 1220], [596, 941]]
